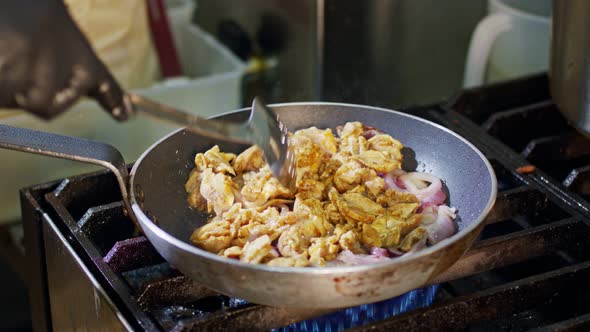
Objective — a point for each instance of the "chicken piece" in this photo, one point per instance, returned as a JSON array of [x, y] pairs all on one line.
[[260, 186], [324, 138], [288, 218], [273, 188], [272, 230], [311, 188], [196, 200], [233, 252], [405, 225], [389, 234], [193, 188], [213, 236], [328, 169], [387, 144], [256, 251], [356, 207], [250, 224], [391, 197], [291, 243], [375, 186], [251, 159], [322, 250], [218, 161], [314, 221], [377, 161], [275, 202], [194, 181], [370, 237], [298, 261], [416, 238], [308, 158], [351, 174], [311, 223], [403, 210], [354, 145], [341, 157], [239, 220], [235, 212], [331, 213], [217, 190], [357, 190], [404, 217], [350, 241], [340, 229], [354, 129]]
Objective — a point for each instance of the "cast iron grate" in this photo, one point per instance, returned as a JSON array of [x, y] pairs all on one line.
[[532, 127], [527, 270]]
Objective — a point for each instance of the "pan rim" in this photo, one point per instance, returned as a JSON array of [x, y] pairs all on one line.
[[192, 249]]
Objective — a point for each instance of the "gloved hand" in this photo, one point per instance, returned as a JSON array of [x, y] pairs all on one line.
[[46, 63]]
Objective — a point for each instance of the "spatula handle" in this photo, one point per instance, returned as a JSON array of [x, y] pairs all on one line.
[[215, 129]]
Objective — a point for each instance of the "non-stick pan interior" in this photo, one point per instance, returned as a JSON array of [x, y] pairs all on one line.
[[163, 170]]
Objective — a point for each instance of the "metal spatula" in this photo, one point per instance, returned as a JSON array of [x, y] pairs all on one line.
[[263, 128], [270, 133]]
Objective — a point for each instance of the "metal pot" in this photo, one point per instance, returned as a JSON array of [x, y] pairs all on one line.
[[570, 61]]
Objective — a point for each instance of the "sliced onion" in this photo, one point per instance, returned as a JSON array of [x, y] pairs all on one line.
[[411, 182], [449, 212], [429, 213], [369, 131], [274, 252], [442, 227], [392, 180], [437, 198], [400, 184], [349, 258], [381, 252]]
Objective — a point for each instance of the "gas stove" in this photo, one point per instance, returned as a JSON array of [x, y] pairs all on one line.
[[528, 269]]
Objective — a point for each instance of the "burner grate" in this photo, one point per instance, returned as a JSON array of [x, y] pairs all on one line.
[[532, 127], [517, 127], [531, 259], [535, 297]]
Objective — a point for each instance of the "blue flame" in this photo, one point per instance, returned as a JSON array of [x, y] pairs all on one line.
[[366, 313]]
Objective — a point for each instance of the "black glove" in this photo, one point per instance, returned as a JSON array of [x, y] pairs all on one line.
[[46, 63]]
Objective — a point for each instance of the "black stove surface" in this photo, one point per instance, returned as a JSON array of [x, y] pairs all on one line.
[[528, 269]]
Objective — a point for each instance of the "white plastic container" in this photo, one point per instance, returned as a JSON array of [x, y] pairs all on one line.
[[212, 86], [511, 41]]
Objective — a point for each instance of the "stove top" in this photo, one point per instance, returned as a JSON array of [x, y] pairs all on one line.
[[527, 270]]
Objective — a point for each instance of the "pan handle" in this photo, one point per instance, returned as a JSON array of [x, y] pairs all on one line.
[[66, 147]]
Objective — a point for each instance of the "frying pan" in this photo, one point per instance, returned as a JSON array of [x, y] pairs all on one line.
[[154, 193]]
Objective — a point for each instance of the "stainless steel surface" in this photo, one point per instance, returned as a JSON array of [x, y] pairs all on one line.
[[379, 52], [274, 141], [570, 61], [157, 190], [77, 301], [397, 52]]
